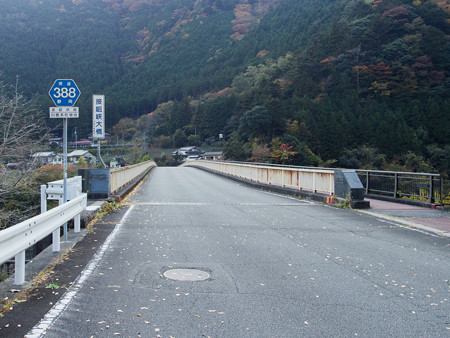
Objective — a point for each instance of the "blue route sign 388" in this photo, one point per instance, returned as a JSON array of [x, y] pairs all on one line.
[[64, 92]]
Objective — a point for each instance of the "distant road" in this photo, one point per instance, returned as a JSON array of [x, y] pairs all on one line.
[[277, 267]]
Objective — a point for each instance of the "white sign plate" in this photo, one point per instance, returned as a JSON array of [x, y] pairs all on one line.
[[64, 112], [98, 116]]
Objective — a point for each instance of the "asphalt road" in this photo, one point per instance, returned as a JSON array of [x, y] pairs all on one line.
[[278, 267]]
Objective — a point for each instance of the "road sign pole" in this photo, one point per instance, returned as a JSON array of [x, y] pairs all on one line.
[[64, 93], [65, 171]]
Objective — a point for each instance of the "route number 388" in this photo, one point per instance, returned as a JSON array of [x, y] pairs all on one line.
[[64, 92]]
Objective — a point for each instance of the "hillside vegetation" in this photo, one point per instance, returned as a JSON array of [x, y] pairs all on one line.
[[350, 83]]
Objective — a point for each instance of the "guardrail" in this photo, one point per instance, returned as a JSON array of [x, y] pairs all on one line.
[[311, 179], [55, 189], [16, 239], [122, 176], [423, 187]]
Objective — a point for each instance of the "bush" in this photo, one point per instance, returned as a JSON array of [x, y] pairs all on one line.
[[164, 141]]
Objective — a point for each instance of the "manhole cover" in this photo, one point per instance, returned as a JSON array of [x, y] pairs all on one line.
[[188, 275]]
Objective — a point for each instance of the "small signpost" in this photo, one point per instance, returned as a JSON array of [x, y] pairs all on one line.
[[64, 94]]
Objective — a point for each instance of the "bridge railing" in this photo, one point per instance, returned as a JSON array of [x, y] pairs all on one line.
[[124, 175], [423, 187], [16, 239], [315, 180]]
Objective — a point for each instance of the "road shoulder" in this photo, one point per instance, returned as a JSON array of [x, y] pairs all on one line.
[[55, 274]]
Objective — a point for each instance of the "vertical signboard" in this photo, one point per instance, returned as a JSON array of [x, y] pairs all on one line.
[[98, 116]]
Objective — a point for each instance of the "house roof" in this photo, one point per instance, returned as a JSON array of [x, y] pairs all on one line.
[[78, 153], [120, 160], [43, 154]]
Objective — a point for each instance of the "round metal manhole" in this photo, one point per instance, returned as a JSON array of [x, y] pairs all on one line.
[[187, 275]]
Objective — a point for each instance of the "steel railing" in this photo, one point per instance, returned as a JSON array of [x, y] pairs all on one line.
[[317, 180], [16, 239], [423, 187], [122, 176]]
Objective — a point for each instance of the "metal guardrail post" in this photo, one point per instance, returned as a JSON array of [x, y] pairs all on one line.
[[314, 183], [43, 198], [77, 223], [19, 268], [55, 235], [431, 197], [395, 185], [367, 182], [56, 238]]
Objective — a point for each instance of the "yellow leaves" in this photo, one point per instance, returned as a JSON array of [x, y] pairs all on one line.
[[330, 60], [292, 127], [262, 53], [381, 88]]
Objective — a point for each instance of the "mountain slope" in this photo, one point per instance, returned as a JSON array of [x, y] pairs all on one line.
[[138, 52], [326, 77]]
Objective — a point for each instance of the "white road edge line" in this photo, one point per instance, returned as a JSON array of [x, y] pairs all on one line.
[[45, 324], [405, 223]]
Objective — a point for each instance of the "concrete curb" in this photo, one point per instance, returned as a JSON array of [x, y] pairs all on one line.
[[406, 201]]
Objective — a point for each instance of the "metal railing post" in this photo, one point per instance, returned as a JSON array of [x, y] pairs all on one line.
[[43, 198], [367, 182], [314, 183], [77, 223], [19, 268], [431, 197], [331, 185], [395, 185], [56, 237]]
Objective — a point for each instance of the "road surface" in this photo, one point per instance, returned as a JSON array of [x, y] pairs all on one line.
[[275, 266]]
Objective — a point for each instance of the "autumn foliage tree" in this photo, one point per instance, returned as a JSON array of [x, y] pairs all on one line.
[[281, 153]]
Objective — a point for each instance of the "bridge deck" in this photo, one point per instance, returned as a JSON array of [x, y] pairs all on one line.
[[277, 267]]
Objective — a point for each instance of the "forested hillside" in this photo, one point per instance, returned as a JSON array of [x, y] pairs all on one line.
[[350, 83]]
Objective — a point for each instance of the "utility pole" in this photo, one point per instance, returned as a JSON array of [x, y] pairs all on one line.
[[76, 139]]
